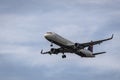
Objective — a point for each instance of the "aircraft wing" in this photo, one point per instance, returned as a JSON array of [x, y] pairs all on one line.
[[95, 42], [48, 52], [56, 51]]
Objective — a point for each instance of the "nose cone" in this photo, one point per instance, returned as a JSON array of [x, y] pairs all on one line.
[[48, 35]]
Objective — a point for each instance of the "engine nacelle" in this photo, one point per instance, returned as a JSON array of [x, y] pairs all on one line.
[[54, 51], [78, 46]]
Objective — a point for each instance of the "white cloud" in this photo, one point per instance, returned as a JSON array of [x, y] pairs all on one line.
[[94, 1]]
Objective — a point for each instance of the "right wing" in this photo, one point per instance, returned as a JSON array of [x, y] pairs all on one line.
[[96, 42]]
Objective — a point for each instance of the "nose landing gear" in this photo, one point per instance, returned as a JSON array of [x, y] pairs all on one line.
[[51, 45]]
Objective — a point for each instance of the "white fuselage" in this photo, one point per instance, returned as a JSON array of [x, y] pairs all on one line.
[[57, 39]]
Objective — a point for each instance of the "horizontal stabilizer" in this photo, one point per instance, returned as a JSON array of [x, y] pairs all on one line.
[[99, 53]]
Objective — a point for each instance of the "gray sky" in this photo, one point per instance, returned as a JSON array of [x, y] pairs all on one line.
[[24, 22]]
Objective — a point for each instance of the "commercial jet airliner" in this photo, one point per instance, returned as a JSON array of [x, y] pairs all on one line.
[[66, 46]]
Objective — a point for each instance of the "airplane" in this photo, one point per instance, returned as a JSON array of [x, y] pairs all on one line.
[[66, 46]]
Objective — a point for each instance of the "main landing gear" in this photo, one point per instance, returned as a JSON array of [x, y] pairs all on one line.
[[63, 56]]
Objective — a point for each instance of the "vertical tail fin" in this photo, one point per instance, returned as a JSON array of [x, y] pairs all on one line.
[[90, 48]]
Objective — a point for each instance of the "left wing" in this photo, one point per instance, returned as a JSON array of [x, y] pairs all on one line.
[[56, 51], [48, 52], [96, 42]]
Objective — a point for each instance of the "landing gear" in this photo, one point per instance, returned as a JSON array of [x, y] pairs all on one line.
[[63, 56], [51, 45]]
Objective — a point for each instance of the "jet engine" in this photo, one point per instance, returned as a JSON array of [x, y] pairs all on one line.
[[78, 46], [54, 51]]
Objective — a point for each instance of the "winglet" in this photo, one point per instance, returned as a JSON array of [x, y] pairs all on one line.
[[112, 36], [41, 51]]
